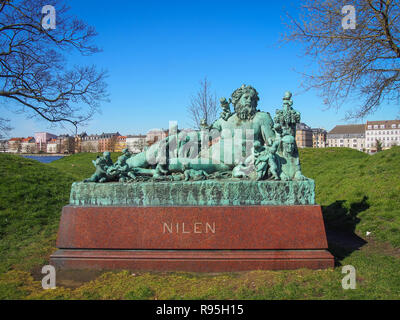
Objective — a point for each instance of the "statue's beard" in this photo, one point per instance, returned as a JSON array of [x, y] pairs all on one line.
[[245, 112]]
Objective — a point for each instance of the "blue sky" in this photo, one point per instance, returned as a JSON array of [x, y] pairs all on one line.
[[156, 52]]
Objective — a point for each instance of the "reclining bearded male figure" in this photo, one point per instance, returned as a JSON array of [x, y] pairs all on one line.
[[237, 135]]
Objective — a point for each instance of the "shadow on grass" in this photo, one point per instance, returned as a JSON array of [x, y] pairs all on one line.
[[340, 223]]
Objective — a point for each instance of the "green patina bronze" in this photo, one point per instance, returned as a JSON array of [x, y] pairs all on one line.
[[194, 193], [245, 156]]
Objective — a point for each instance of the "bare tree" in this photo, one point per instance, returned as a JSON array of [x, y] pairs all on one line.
[[112, 143], [68, 145], [4, 128], [85, 147], [203, 105], [34, 71], [89, 147], [379, 145], [362, 63], [18, 146]]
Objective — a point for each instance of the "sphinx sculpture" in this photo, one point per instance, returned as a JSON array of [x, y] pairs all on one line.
[[245, 144]]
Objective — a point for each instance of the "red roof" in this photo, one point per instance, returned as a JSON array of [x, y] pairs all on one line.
[[16, 139]]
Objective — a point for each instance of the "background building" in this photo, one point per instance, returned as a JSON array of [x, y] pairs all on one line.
[[78, 141], [66, 143], [28, 145], [304, 136], [386, 131], [120, 143], [53, 146], [41, 139], [108, 141], [136, 143], [155, 135], [15, 145], [349, 136], [89, 143], [319, 138]]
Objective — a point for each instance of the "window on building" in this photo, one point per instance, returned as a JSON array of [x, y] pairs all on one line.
[[382, 126], [369, 127], [376, 126]]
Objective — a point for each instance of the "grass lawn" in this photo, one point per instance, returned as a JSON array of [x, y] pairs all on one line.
[[358, 193]]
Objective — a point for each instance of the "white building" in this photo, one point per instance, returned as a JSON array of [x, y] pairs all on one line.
[[135, 143], [347, 136], [386, 131], [28, 145], [53, 146]]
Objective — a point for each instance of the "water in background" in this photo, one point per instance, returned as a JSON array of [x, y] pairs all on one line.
[[44, 159]]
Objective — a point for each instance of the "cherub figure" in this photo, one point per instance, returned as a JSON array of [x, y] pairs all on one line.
[[121, 168], [266, 160], [192, 174], [260, 163], [102, 164], [226, 109]]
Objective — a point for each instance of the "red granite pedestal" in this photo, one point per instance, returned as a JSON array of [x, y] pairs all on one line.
[[205, 239]]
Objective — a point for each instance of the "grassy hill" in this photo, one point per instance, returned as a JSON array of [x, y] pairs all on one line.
[[31, 197], [358, 193]]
